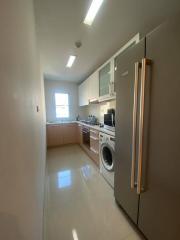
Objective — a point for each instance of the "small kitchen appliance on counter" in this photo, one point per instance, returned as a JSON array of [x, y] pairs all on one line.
[[109, 119]]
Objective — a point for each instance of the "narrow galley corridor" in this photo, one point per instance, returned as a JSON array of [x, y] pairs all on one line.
[[79, 203]]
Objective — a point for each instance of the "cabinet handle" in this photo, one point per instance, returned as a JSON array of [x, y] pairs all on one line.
[[92, 131], [94, 151], [110, 88], [94, 138], [133, 163], [145, 62]]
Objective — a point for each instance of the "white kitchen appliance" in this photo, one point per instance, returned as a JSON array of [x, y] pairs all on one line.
[[107, 150]]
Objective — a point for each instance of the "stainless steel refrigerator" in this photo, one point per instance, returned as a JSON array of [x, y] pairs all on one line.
[[147, 166]]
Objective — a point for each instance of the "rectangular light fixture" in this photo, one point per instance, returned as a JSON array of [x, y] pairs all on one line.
[[94, 8], [71, 61]]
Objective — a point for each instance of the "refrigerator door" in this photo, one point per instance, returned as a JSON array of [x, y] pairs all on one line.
[[159, 210], [125, 86]]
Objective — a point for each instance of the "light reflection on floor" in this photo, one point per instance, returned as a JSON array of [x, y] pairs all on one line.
[[87, 171], [64, 179]]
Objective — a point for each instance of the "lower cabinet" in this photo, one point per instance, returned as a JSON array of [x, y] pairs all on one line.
[[69, 132], [94, 145], [54, 135], [79, 134], [61, 134]]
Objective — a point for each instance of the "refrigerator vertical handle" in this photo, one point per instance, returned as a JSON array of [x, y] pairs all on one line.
[[145, 62], [133, 163]]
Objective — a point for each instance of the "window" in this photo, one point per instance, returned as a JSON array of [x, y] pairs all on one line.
[[62, 105]]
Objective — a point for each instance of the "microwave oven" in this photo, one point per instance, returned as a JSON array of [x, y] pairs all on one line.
[[109, 120]]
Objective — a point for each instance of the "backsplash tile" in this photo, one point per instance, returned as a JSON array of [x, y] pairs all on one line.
[[98, 110]]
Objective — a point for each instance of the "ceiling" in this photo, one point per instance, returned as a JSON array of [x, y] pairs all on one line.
[[60, 24]]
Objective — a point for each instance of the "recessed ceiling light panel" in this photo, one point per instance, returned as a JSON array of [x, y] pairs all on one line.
[[94, 8], [71, 61]]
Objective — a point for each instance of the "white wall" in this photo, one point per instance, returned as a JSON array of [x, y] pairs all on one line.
[[52, 87], [55, 86], [22, 128]]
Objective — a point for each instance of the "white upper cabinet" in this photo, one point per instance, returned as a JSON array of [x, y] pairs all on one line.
[[89, 90], [94, 87], [100, 86], [84, 93]]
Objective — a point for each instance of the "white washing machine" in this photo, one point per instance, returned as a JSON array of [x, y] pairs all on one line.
[[107, 154]]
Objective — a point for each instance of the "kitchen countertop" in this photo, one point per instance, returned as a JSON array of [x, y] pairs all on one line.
[[95, 127], [60, 122], [98, 128]]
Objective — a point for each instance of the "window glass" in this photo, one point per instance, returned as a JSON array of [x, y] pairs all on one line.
[[104, 80], [62, 105]]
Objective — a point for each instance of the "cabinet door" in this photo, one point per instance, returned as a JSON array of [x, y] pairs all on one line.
[[160, 202], [79, 132], [54, 135], [80, 95], [84, 93], [94, 145], [105, 80], [69, 133], [94, 87], [94, 141]]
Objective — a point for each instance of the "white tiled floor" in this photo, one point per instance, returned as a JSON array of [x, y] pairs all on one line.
[[79, 203]]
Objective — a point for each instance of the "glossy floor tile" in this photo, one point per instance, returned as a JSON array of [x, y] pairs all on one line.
[[79, 203]]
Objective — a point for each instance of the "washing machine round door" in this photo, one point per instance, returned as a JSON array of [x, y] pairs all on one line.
[[107, 157]]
